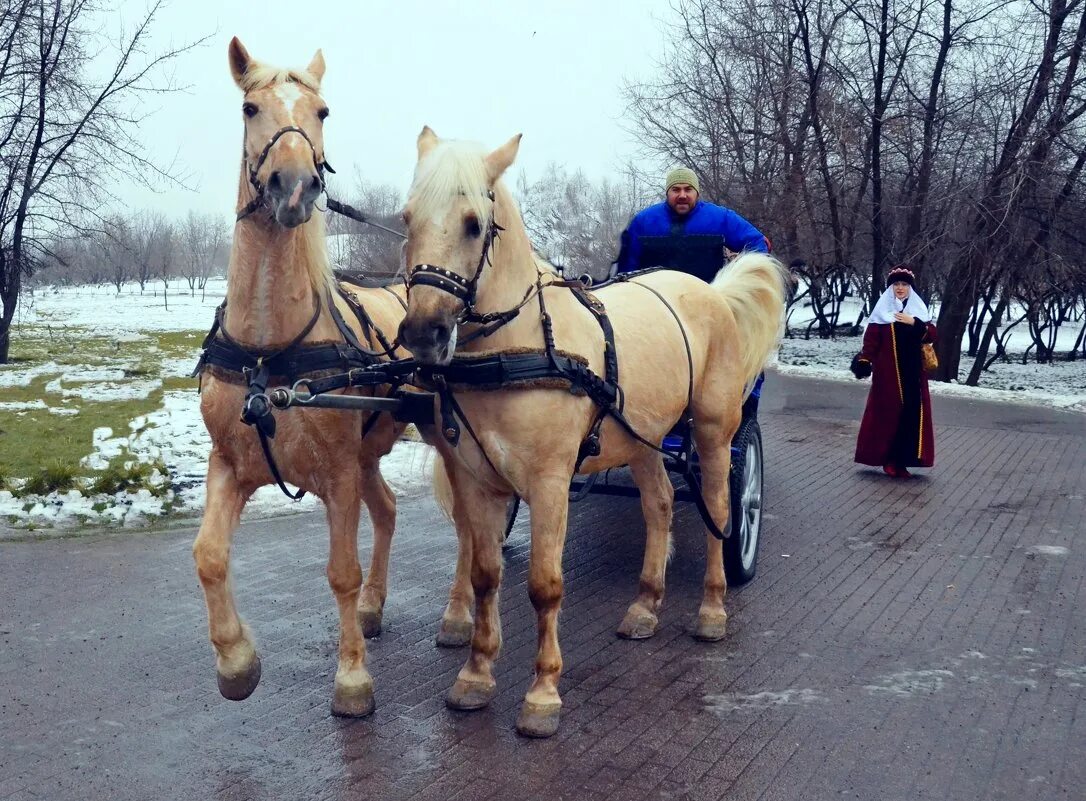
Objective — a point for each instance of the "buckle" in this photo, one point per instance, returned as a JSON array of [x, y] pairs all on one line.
[[256, 406]]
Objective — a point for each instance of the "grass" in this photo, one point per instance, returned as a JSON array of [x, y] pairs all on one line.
[[45, 449], [54, 477], [125, 475]]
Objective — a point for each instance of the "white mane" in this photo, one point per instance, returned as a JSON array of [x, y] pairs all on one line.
[[451, 170]]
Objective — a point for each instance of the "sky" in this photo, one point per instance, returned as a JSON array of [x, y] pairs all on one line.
[[551, 69]]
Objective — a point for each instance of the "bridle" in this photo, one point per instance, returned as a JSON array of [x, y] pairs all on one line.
[[461, 288], [321, 165]]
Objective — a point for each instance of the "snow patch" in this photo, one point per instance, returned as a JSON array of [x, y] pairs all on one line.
[[1048, 550], [910, 682], [767, 699]]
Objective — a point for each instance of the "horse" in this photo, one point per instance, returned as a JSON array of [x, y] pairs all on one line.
[[282, 296], [469, 258]]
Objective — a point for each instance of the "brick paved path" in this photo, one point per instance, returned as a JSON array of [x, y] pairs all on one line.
[[902, 640]]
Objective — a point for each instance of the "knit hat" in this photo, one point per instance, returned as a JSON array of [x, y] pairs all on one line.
[[682, 175], [901, 274]]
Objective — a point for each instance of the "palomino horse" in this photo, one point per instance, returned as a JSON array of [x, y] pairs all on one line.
[[280, 294], [462, 221]]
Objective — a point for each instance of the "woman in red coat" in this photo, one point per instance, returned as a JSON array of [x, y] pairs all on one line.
[[896, 432]]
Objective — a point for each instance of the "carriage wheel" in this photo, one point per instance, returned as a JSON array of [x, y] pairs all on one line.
[[745, 485]]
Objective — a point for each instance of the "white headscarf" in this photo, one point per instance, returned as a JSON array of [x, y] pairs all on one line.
[[888, 305]]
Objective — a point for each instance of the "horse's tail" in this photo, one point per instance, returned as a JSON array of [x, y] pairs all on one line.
[[753, 286], [443, 491]]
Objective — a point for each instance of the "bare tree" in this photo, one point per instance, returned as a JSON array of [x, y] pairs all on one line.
[[1047, 109], [361, 248], [147, 230], [118, 248], [64, 135], [164, 251], [575, 223], [862, 133], [201, 243]]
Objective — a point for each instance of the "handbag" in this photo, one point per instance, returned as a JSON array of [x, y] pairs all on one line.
[[928, 358]]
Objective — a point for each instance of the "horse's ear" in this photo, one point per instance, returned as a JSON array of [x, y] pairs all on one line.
[[500, 160], [427, 141], [240, 60], [316, 66]]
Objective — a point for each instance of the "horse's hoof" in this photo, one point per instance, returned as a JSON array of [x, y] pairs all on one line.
[[638, 625], [353, 701], [454, 633], [469, 695], [711, 628], [241, 686], [538, 720], [370, 621]]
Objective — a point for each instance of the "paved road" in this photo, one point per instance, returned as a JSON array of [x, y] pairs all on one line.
[[922, 639]]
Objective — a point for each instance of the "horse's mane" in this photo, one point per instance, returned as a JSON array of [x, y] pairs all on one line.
[[261, 76], [451, 169]]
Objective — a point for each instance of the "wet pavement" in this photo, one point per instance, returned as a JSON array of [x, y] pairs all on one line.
[[921, 639]]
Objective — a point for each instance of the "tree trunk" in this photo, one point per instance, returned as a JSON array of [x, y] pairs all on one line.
[[986, 341]]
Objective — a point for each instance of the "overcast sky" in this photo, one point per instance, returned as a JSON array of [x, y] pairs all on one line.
[[551, 69]]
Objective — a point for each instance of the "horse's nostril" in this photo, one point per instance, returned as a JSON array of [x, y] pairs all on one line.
[[439, 331], [315, 184], [274, 181]]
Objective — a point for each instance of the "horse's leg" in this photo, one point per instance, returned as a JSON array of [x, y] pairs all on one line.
[[480, 515], [456, 621], [657, 499], [353, 685], [381, 504], [713, 435], [549, 500], [236, 662]]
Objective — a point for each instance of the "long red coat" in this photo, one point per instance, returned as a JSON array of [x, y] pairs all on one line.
[[896, 426]]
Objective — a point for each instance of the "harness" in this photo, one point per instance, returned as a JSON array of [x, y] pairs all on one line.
[[538, 368], [296, 364]]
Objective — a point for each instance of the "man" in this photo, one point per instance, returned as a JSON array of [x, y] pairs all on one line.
[[686, 233]]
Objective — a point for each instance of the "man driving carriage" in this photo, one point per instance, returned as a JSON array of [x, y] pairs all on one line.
[[688, 234]]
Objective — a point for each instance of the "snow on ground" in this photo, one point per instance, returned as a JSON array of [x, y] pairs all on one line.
[[174, 434], [1060, 385], [102, 310]]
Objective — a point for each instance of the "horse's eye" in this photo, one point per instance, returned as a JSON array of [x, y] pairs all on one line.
[[471, 227], [322, 114], [249, 110]]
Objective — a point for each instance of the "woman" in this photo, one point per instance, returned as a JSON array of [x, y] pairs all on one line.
[[896, 432]]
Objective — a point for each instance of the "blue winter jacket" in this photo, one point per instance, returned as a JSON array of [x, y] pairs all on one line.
[[692, 243]]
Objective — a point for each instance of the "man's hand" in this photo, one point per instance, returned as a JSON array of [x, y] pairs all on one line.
[[902, 317]]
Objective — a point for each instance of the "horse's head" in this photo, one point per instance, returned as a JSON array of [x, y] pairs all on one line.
[[284, 140], [450, 229]]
